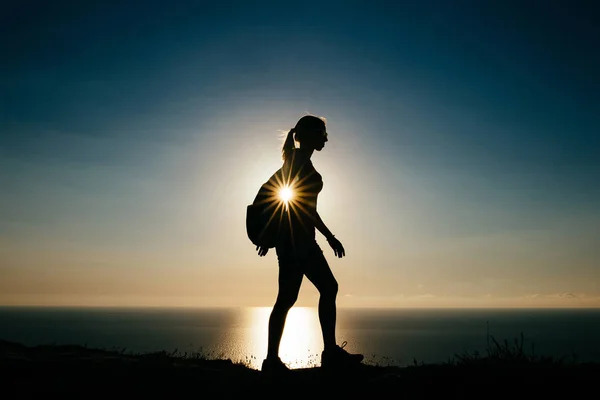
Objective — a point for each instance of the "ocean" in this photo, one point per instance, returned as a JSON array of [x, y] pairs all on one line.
[[385, 336]]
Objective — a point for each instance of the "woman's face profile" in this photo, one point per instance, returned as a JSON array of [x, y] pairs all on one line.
[[314, 138], [320, 139]]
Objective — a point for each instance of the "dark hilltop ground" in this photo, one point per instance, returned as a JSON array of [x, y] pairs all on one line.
[[504, 371]]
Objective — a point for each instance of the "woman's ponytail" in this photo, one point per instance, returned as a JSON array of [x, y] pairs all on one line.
[[288, 145]]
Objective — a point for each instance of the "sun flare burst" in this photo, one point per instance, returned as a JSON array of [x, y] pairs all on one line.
[[286, 194]]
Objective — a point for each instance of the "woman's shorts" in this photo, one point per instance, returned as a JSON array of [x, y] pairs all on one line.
[[303, 256]]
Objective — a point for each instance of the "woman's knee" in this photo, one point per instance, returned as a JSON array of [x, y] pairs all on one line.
[[285, 302], [330, 290]]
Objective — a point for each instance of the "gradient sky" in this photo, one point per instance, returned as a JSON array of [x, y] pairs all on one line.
[[462, 168]]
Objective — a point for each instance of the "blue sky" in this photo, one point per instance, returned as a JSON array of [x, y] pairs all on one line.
[[462, 165]]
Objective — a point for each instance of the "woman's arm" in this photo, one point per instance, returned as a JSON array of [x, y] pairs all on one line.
[[320, 225], [335, 244]]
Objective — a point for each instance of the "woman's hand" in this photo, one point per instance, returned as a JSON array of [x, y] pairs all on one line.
[[337, 247], [262, 251]]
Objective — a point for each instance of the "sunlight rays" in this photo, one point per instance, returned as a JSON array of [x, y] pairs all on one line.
[[289, 194], [286, 194]]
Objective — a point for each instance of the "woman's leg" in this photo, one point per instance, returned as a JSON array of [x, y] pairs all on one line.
[[290, 279], [320, 275], [318, 272]]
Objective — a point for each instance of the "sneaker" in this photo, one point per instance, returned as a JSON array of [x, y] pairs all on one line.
[[274, 366], [338, 357]]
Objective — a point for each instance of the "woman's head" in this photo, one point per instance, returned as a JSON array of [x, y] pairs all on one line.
[[309, 131]]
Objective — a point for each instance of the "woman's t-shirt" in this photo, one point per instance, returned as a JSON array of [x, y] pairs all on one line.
[[298, 219]]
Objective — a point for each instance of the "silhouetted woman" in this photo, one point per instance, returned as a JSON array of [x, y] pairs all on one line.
[[298, 253]]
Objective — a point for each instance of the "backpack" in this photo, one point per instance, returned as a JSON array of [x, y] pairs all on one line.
[[263, 215]]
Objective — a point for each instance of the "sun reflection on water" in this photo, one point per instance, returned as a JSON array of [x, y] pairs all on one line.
[[301, 343]]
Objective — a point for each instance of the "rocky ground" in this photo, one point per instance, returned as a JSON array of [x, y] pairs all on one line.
[[80, 372]]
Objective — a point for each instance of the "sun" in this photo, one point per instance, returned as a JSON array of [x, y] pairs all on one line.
[[286, 198], [286, 194]]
